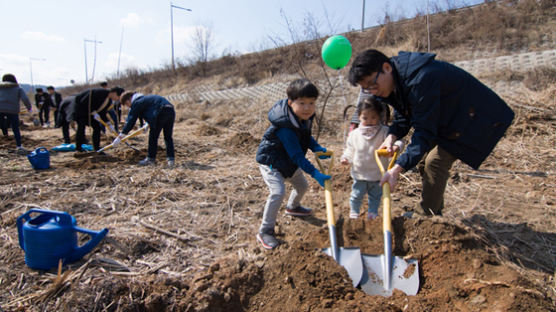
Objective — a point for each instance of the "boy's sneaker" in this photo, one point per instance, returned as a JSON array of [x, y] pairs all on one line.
[[267, 239], [353, 215], [22, 151], [146, 162], [170, 162], [371, 216], [299, 211]]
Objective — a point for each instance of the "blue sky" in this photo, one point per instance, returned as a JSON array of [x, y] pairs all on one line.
[[46, 38]]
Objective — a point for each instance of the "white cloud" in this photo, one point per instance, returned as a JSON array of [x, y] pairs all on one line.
[[126, 60], [181, 35], [40, 36], [132, 20]]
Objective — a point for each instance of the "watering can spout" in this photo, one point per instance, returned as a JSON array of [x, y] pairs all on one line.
[[96, 237]]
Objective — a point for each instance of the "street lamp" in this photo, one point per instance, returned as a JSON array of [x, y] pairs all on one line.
[[172, 28], [94, 58], [31, 59]]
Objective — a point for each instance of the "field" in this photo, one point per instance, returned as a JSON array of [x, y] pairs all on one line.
[[183, 238]]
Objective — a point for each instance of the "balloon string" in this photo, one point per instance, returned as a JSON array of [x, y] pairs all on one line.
[[340, 77]]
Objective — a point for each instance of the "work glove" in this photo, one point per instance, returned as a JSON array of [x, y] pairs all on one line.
[[111, 126], [321, 149], [96, 116], [320, 177], [117, 140]]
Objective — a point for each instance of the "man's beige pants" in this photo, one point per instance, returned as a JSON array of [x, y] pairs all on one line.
[[435, 171]]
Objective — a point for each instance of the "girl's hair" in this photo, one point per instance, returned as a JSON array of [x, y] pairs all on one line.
[[376, 105], [9, 78], [126, 96]]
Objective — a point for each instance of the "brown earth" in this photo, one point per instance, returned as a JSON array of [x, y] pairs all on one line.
[[494, 250]]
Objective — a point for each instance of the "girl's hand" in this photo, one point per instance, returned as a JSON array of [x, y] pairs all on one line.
[[344, 161]]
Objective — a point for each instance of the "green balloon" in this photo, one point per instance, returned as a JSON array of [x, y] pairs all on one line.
[[336, 52]]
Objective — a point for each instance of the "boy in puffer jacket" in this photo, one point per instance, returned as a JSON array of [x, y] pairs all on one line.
[[281, 155]]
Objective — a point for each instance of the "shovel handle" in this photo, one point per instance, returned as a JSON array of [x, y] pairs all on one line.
[[386, 199], [129, 136], [327, 186]]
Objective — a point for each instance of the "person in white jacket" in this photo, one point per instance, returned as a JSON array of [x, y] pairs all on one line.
[[359, 152]]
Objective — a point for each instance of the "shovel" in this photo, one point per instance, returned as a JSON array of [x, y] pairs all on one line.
[[112, 129], [349, 258], [384, 273], [129, 136]]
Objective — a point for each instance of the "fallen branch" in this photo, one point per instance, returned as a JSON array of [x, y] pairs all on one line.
[[157, 229]]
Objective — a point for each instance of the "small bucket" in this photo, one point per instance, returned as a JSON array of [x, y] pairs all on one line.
[[39, 158]]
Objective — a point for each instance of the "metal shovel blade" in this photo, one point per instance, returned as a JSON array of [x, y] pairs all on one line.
[[350, 259], [404, 274]]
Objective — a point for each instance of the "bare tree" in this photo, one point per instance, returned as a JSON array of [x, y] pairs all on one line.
[[202, 46]]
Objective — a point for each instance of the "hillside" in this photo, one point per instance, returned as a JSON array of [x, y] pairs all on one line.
[[183, 238]]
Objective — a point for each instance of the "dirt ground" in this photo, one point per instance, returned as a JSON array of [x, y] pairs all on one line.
[[183, 238]]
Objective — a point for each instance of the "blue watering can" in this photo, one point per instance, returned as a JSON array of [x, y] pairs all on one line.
[[51, 236], [39, 158]]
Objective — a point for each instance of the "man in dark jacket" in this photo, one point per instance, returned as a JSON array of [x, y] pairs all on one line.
[[159, 114], [89, 105], [453, 116], [56, 99]]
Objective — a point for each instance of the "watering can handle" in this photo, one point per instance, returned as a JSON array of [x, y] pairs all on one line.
[[96, 237], [64, 219]]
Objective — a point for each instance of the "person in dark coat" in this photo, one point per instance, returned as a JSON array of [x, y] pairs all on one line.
[[62, 120], [453, 116], [88, 105], [159, 114], [43, 103], [55, 99]]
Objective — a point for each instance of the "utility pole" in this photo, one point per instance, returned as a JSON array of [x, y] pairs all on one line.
[[428, 30], [31, 59], [363, 17], [120, 53], [172, 6], [95, 57]]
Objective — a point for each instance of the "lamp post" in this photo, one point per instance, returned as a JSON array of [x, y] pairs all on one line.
[[31, 59], [172, 6], [363, 17], [95, 57]]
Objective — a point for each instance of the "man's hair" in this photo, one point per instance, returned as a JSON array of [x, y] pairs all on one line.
[[104, 84], [366, 63], [38, 90], [118, 90], [302, 88], [9, 78], [50, 88], [126, 96]]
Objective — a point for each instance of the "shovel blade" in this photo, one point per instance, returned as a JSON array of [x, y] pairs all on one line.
[[404, 276], [350, 259]]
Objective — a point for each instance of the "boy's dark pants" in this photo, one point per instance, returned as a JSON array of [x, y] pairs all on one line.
[[164, 122], [44, 110], [435, 171]]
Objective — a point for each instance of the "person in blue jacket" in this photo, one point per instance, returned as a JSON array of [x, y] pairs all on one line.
[[159, 114], [10, 96], [453, 116], [281, 155]]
